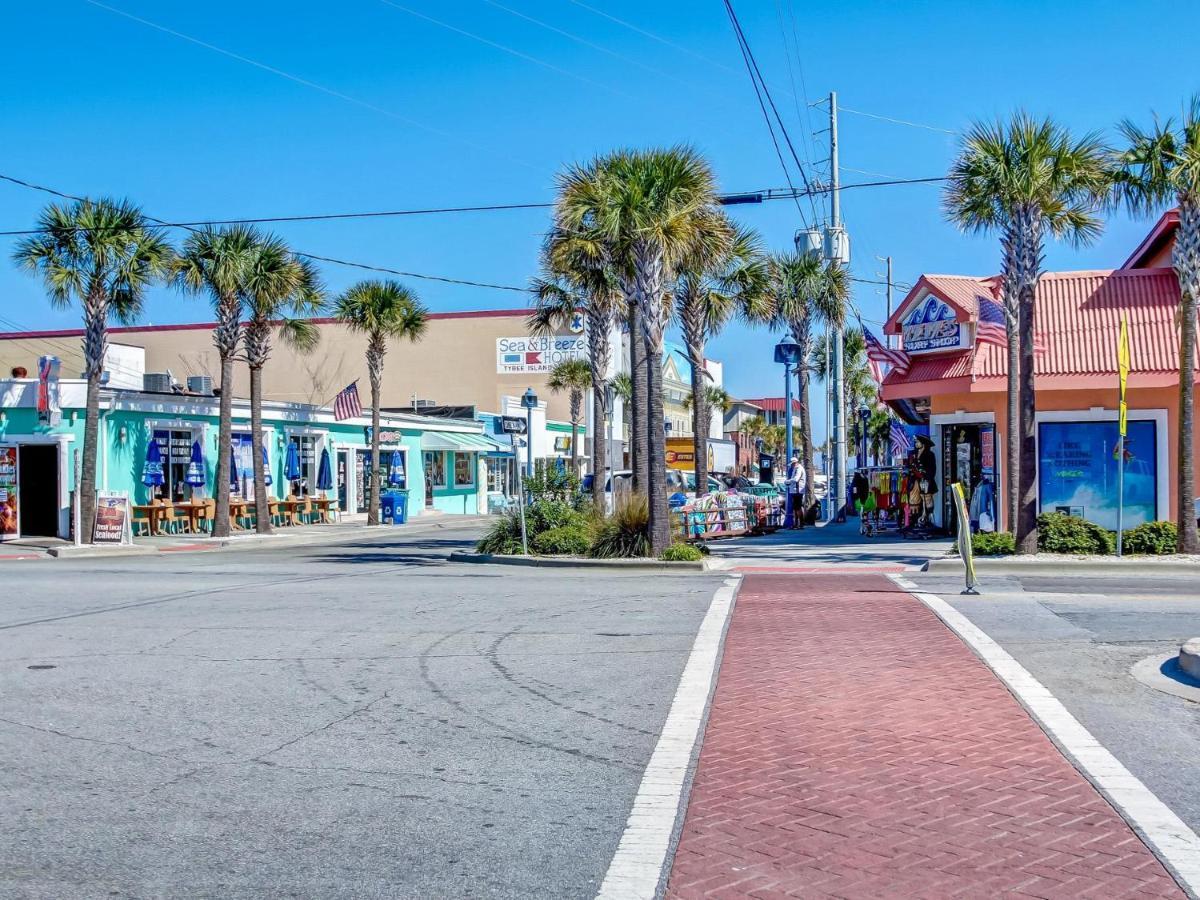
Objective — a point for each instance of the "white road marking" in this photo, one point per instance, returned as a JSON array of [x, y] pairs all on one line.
[[641, 856], [1176, 845]]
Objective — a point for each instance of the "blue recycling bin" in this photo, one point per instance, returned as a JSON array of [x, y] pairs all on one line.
[[393, 507]]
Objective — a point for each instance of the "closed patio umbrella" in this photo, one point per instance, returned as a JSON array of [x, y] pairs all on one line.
[[196, 476], [396, 469], [266, 467], [291, 466], [234, 481], [152, 469], [324, 473]]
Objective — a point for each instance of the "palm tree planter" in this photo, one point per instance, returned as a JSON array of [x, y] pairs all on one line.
[[383, 311], [1025, 178], [1154, 168], [103, 255], [276, 285]]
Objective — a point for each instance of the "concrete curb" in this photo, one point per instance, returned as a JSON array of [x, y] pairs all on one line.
[[1010, 565], [559, 562], [92, 551]]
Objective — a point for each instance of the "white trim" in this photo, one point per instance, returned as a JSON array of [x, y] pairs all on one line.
[[1162, 491], [638, 865], [64, 471], [1175, 844]]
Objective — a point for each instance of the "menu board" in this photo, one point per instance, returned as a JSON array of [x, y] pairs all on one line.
[[9, 523], [112, 518]]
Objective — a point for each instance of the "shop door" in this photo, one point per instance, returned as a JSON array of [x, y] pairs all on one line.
[[37, 486], [963, 461], [429, 465], [342, 474]]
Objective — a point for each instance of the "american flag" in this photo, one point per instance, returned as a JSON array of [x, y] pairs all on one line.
[[900, 442], [346, 404], [877, 354], [993, 326]]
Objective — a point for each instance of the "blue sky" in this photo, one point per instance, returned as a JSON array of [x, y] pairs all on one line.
[[401, 112]]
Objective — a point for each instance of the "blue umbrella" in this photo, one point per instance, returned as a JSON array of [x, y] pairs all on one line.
[[291, 466], [195, 471], [152, 470], [266, 467], [324, 473], [396, 469], [234, 481]]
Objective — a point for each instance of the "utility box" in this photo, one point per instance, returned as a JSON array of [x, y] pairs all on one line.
[[393, 507]]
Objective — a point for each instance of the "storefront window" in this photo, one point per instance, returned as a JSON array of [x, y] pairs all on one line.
[[464, 469], [435, 468], [1077, 471], [499, 474], [175, 445], [306, 449]]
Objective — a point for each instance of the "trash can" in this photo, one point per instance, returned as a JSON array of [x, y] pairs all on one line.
[[393, 507]]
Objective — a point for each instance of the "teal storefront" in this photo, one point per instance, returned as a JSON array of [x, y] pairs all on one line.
[[45, 453]]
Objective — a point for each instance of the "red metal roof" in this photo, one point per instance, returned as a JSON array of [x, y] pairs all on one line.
[[1162, 232], [771, 404], [1078, 314]]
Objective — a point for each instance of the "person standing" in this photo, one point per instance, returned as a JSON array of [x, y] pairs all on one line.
[[797, 483]]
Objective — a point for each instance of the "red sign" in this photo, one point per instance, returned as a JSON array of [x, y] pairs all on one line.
[[533, 358]]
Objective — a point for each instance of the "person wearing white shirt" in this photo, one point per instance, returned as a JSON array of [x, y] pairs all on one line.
[[797, 482]]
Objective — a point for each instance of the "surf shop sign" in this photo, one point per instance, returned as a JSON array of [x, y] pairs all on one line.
[[932, 327]]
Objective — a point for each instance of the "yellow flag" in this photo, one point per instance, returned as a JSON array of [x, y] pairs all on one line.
[[1123, 369]]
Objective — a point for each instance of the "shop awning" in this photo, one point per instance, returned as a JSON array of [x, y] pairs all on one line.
[[461, 443]]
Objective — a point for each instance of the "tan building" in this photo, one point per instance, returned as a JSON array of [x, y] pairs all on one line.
[[465, 358]]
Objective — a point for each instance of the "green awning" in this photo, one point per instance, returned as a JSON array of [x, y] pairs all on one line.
[[459, 442]]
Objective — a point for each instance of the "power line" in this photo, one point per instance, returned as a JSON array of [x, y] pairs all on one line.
[[894, 121], [653, 36], [806, 115]]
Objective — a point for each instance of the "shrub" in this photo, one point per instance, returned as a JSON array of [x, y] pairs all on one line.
[[682, 553], [1060, 533], [569, 540], [504, 536], [626, 532], [543, 515], [1151, 537], [994, 543], [549, 483]]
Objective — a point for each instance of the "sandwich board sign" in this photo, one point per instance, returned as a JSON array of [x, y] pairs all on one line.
[[112, 524]]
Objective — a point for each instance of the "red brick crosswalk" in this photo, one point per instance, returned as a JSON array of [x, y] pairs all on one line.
[[856, 748]]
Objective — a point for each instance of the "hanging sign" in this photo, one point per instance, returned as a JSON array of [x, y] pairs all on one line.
[[112, 518], [9, 521], [932, 327]]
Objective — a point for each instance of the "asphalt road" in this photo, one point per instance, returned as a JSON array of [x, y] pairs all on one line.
[[362, 720], [1080, 636]]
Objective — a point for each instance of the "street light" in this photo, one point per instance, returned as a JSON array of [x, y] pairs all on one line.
[[787, 352], [864, 416], [530, 401]]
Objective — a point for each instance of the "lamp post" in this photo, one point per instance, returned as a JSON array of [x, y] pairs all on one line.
[[787, 352], [864, 415], [530, 401]]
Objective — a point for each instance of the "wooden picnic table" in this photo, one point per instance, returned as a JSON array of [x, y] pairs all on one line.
[[324, 506], [238, 509], [195, 513], [155, 513]]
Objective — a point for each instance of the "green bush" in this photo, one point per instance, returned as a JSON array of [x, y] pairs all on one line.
[[569, 540], [997, 543], [682, 553], [549, 483], [543, 515], [1060, 533], [503, 537], [1151, 537], [626, 532]]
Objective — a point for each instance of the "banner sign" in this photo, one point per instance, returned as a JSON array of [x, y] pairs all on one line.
[[524, 355], [9, 522], [931, 327], [112, 518]]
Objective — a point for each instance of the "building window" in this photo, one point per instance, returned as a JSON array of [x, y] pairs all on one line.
[[306, 450], [1077, 471], [499, 475], [464, 470], [435, 468], [175, 445]]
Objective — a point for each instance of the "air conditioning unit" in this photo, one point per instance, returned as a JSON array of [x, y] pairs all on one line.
[[157, 382], [423, 404], [200, 384]]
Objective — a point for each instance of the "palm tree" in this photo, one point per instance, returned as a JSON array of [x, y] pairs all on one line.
[[859, 385], [277, 285], [652, 211], [214, 261], [573, 376], [103, 255], [707, 295], [1025, 178], [808, 293], [716, 399], [384, 311], [1158, 167], [577, 279]]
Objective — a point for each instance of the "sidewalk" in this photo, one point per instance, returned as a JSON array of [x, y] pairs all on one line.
[[857, 748]]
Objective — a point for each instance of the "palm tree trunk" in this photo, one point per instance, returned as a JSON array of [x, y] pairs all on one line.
[[1012, 476], [576, 415], [262, 510], [373, 495], [1184, 258], [806, 444], [87, 474], [700, 420], [660, 524], [224, 448], [638, 448], [599, 446], [1028, 262]]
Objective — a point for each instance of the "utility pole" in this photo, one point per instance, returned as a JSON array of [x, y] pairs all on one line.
[[834, 252]]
